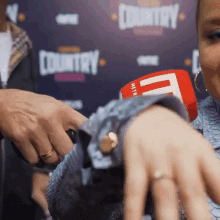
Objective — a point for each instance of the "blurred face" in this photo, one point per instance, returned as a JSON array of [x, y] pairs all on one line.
[[209, 44]]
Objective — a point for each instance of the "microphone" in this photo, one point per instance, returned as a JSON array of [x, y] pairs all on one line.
[[172, 82]]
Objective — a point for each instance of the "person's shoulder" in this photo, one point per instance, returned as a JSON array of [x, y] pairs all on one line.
[[16, 29], [19, 37]]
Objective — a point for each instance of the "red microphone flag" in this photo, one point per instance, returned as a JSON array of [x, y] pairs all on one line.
[[173, 82]]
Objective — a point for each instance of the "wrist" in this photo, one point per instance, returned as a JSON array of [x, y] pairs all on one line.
[[156, 113], [156, 117]]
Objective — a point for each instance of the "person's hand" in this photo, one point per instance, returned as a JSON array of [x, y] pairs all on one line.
[[39, 189], [37, 124], [160, 141]]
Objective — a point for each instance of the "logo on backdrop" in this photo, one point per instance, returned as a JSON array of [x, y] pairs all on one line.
[[75, 104], [148, 17], [195, 62], [132, 16], [149, 60], [12, 12], [67, 19], [79, 63]]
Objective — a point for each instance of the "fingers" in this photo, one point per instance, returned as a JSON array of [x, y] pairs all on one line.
[[192, 189], [136, 184], [61, 141], [165, 199], [210, 168], [39, 188], [28, 151], [47, 145], [188, 186], [164, 192], [56, 130], [72, 119], [40, 198], [43, 146]]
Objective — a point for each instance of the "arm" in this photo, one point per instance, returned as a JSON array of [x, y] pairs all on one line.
[[114, 117]]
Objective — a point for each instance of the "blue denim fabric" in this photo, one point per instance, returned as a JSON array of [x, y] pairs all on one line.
[[208, 123]]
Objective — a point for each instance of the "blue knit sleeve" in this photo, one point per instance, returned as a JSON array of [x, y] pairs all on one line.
[[87, 180], [198, 122]]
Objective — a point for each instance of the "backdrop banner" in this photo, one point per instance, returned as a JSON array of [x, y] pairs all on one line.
[[86, 50]]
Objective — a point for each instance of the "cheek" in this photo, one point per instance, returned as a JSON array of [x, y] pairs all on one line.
[[210, 64], [210, 59]]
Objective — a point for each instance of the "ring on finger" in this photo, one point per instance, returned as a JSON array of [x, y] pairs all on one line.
[[48, 154], [158, 175]]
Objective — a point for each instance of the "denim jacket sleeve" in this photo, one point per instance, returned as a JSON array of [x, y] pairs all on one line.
[[86, 177]]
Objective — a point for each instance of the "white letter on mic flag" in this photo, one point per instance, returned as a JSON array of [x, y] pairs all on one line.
[[174, 87]]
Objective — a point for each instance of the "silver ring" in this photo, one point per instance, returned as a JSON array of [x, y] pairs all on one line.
[[159, 175]]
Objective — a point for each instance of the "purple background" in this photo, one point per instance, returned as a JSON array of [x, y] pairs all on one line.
[[119, 48]]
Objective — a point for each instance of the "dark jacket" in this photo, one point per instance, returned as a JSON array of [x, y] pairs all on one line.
[[25, 76]]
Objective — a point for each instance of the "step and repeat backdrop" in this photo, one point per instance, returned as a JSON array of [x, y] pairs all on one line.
[[86, 50]]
